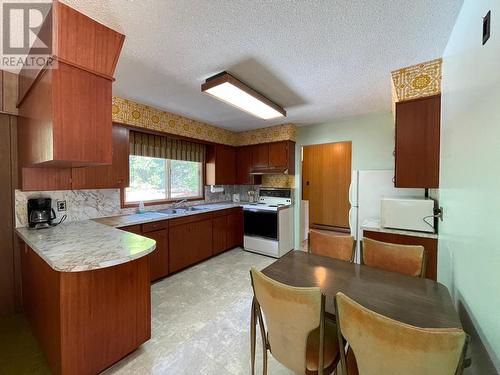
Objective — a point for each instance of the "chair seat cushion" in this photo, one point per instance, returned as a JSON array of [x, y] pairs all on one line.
[[331, 349]]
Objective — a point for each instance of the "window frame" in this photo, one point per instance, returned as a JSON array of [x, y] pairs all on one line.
[[125, 204]]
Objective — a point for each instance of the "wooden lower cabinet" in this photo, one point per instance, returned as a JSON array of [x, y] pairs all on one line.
[[235, 228], [159, 257], [86, 321], [219, 234], [429, 244], [190, 240]]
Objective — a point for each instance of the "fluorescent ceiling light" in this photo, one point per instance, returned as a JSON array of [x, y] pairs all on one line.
[[225, 87]]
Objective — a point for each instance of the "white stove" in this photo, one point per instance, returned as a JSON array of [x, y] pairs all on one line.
[[269, 223]]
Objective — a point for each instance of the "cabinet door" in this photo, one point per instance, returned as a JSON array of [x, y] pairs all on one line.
[[260, 156], [244, 167], [40, 179], [159, 257], [417, 143], [219, 234], [9, 84], [235, 228], [189, 243], [115, 175], [225, 165], [278, 154]]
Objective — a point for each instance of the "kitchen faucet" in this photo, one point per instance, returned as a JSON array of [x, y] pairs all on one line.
[[178, 203]]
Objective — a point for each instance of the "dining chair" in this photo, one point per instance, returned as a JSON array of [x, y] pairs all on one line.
[[382, 345], [332, 245], [407, 259], [295, 330]]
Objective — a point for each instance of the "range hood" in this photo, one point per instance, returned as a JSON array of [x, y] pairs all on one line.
[[274, 170]]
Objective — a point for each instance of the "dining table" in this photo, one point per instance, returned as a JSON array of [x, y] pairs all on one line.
[[416, 301]]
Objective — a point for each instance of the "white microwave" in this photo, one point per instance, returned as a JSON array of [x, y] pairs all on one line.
[[407, 213]]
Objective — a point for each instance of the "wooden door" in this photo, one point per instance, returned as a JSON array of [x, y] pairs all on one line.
[[278, 154], [326, 176], [244, 167], [260, 156], [225, 167], [159, 257], [219, 234], [115, 175], [417, 142], [235, 228]]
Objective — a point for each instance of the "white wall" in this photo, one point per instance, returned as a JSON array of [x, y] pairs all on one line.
[[469, 240], [372, 139]]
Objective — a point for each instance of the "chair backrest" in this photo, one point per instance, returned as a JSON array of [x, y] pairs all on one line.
[[407, 259], [385, 346], [290, 313], [331, 245]]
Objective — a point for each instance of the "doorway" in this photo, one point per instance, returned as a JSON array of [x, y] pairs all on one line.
[[326, 176]]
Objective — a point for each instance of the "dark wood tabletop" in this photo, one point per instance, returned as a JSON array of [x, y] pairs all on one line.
[[420, 302]]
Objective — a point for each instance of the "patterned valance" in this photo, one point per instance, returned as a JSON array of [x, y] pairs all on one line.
[[158, 146]]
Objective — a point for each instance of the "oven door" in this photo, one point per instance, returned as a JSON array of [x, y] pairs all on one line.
[[261, 223]]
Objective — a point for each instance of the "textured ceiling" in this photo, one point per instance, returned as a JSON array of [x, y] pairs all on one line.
[[320, 60]]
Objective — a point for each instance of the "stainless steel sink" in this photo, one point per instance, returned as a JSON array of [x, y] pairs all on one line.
[[172, 211]]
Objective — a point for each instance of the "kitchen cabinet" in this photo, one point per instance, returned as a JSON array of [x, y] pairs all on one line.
[[115, 175], [158, 258], [244, 167], [429, 244], [227, 226], [8, 92], [219, 233], [221, 165], [65, 113], [260, 156], [190, 240], [275, 157], [417, 142], [235, 228]]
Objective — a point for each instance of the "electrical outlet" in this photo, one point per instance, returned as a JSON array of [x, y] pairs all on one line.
[[61, 206]]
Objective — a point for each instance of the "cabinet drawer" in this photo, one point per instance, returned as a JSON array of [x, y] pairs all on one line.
[[155, 225], [132, 229], [190, 219], [220, 213]]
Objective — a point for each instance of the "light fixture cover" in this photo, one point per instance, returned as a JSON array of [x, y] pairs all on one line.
[[226, 88]]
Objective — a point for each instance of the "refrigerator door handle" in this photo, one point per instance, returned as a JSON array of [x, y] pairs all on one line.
[[350, 219], [350, 194]]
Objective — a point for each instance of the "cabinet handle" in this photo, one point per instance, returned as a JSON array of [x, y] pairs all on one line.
[[394, 153]]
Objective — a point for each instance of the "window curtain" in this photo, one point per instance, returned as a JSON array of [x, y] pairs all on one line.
[[158, 146]]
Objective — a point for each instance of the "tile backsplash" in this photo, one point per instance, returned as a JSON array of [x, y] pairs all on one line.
[[90, 204]]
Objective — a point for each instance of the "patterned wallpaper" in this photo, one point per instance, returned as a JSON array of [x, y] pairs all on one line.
[[129, 112], [417, 80], [278, 180]]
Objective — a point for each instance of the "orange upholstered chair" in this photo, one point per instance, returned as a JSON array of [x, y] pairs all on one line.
[[385, 346], [407, 259], [331, 245], [295, 330]]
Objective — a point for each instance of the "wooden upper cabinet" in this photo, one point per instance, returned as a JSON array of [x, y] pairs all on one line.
[[244, 167], [221, 165], [115, 175], [85, 43], [8, 95], [417, 142], [260, 155], [65, 113]]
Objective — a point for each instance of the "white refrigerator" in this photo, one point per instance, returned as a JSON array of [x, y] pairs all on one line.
[[366, 190]]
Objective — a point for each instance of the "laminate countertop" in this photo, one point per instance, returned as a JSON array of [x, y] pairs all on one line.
[[374, 226], [98, 243], [151, 216], [85, 245]]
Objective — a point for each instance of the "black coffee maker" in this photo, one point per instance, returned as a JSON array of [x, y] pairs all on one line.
[[40, 213]]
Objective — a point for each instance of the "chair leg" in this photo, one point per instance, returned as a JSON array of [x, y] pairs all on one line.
[[252, 337], [264, 362], [263, 336]]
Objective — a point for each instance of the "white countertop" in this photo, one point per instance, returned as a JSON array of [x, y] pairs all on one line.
[[151, 216], [374, 225], [85, 245], [94, 244]]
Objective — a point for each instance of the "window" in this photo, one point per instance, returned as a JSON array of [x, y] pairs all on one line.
[[159, 179]]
